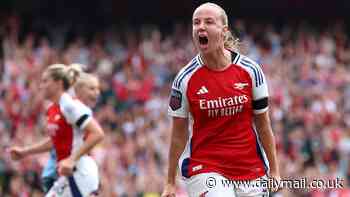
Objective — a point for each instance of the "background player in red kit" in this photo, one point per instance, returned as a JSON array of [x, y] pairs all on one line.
[[66, 120], [219, 105], [87, 90]]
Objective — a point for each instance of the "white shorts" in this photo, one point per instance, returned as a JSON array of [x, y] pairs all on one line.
[[213, 185], [82, 183]]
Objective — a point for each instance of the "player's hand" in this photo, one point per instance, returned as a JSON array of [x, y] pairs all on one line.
[[276, 178], [17, 153], [169, 190], [66, 167]]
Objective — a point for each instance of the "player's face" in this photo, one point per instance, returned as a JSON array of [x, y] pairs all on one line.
[[48, 86], [89, 92], [208, 29]]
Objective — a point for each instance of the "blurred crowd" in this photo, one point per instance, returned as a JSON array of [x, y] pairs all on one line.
[[307, 68]]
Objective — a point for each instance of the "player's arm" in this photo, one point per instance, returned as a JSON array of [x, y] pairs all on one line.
[[79, 115], [178, 141], [178, 109], [262, 119], [263, 125], [177, 145], [94, 137], [20, 152]]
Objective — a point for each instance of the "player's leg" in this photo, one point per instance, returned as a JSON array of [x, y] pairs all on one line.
[[47, 183], [255, 188], [78, 184], [60, 188], [208, 185], [49, 175], [83, 183]]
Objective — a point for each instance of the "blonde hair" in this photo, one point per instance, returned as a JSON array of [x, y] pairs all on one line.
[[84, 79], [68, 74], [230, 42]]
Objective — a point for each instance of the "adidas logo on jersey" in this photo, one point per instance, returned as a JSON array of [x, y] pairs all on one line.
[[240, 86], [203, 90]]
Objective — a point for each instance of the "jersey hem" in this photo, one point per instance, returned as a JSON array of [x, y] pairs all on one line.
[[235, 178]]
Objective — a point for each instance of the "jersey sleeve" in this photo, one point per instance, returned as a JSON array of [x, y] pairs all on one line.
[[259, 85], [260, 95], [178, 104], [75, 112]]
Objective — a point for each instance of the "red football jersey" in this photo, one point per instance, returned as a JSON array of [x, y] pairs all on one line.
[[220, 106]]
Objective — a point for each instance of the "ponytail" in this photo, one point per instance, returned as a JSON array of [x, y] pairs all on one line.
[[73, 72], [68, 74], [230, 42]]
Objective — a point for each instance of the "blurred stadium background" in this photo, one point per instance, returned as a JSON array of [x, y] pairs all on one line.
[[136, 48]]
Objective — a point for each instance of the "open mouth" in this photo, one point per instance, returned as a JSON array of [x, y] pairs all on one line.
[[203, 40]]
